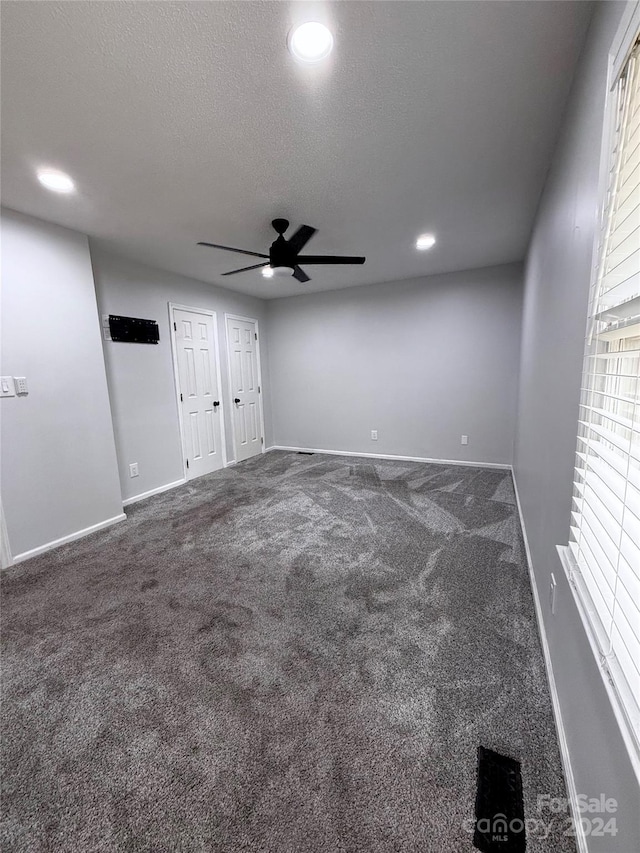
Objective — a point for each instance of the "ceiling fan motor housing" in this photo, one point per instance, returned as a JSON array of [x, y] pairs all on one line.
[[280, 254]]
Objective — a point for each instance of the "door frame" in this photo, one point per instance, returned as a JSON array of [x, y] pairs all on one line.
[[173, 306], [240, 317]]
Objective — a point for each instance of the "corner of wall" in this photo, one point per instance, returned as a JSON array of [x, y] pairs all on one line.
[[59, 470]]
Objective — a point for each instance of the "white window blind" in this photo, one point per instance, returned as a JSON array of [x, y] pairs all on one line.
[[605, 529]]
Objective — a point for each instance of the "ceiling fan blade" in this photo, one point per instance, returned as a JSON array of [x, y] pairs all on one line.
[[329, 259], [300, 239], [231, 249], [244, 269], [300, 274]]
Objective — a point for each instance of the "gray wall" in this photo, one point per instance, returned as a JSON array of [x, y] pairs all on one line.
[[59, 471], [554, 318], [422, 361], [141, 378]]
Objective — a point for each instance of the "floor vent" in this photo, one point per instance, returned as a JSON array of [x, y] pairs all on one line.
[[499, 805], [305, 453]]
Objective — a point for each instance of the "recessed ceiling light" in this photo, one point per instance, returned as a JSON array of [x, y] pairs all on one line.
[[56, 181], [310, 42], [425, 241], [267, 272]]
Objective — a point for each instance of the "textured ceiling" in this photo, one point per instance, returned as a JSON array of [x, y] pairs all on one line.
[[190, 121]]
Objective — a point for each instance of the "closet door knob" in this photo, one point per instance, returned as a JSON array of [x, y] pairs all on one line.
[[237, 400]]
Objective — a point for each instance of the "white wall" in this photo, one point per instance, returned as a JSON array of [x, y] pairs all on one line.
[[421, 361], [141, 378], [554, 320], [59, 471]]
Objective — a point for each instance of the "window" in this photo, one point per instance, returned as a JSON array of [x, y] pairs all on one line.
[[603, 556]]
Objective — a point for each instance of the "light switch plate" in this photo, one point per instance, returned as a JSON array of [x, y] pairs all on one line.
[[106, 330], [7, 388]]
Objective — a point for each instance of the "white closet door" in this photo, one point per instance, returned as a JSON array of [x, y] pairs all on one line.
[[199, 392], [242, 349]]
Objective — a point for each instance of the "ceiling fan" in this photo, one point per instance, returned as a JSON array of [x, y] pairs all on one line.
[[284, 256]]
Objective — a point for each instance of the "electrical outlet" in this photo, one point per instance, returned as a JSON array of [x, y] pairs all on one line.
[[133, 470], [374, 435], [464, 439], [552, 593]]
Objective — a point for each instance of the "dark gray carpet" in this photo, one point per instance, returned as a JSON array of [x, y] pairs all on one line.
[[300, 653]]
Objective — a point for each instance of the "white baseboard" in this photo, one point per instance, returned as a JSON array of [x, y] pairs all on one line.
[[143, 495], [391, 456], [6, 559], [26, 555], [572, 793]]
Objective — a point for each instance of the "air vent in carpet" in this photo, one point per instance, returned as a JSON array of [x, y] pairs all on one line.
[[499, 805]]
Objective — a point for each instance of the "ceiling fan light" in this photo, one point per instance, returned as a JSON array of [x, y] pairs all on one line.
[[267, 272], [310, 42], [282, 272]]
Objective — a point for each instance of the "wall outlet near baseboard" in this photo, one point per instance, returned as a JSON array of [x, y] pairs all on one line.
[[133, 470], [552, 593], [464, 439], [374, 435]]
